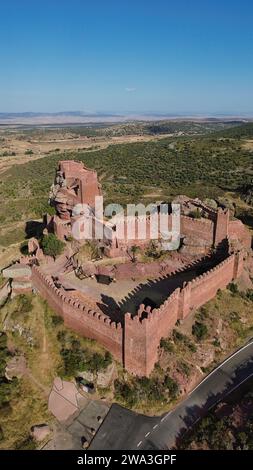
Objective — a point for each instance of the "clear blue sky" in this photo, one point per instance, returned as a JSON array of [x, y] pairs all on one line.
[[126, 55]]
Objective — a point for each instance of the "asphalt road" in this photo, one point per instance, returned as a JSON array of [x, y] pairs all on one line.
[[125, 430]]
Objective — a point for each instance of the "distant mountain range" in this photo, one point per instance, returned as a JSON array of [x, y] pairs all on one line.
[[60, 113], [82, 117]]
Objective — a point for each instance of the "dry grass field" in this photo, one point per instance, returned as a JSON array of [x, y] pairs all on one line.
[[248, 144], [17, 148]]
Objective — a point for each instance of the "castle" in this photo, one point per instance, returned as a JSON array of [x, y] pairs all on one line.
[[133, 337]]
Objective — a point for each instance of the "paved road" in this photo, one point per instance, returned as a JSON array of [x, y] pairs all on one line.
[[122, 429]]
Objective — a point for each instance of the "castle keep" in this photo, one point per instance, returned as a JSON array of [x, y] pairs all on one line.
[[133, 336]]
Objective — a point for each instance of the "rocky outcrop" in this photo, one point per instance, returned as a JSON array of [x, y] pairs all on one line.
[[5, 291], [20, 274], [16, 367], [40, 432]]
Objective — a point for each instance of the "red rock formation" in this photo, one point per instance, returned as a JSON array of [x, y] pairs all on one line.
[[74, 184]]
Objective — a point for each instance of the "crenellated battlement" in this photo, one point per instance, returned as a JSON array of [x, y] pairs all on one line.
[[78, 316], [149, 326], [71, 301], [136, 341]]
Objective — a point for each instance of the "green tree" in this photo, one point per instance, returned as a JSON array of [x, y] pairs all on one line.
[[51, 245]]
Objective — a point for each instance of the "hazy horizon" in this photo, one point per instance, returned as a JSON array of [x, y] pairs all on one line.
[[126, 113]]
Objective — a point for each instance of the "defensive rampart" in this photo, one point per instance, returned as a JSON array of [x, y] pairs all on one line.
[[205, 231], [135, 343], [89, 323], [143, 332]]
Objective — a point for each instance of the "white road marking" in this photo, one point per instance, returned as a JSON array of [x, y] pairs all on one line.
[[138, 445], [207, 377], [222, 364]]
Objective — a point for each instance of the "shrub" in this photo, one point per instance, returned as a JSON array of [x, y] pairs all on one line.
[[24, 303], [3, 340], [143, 389], [99, 362], [134, 250], [234, 316], [5, 410], [167, 345], [192, 346], [61, 336], [202, 313], [3, 353], [233, 288], [195, 214], [57, 320], [152, 250], [125, 392], [185, 368], [216, 343], [24, 248], [181, 338], [6, 390], [177, 336], [26, 444], [78, 359], [249, 294], [211, 432], [172, 386], [219, 293], [74, 361], [149, 389], [199, 330]]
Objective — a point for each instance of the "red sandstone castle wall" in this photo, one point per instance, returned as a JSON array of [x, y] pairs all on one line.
[[205, 287], [207, 230], [197, 228], [142, 336], [200, 229], [86, 322], [215, 232], [143, 332]]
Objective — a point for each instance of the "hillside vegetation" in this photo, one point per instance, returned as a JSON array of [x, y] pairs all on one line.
[[206, 166]]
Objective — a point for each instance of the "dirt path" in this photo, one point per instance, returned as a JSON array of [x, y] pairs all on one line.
[[45, 390], [44, 341]]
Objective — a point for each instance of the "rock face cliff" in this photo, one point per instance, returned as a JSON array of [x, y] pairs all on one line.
[[74, 186]]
